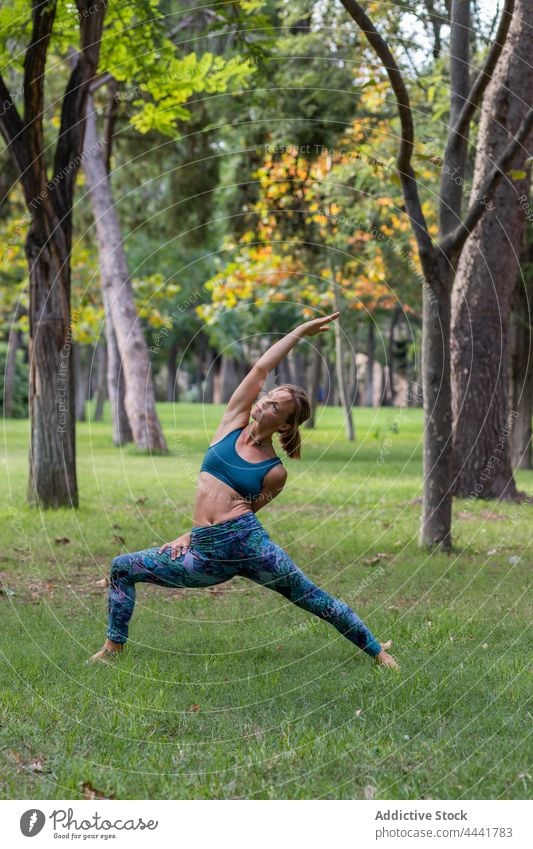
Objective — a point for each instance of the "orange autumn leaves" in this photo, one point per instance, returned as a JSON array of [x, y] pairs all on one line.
[[300, 240]]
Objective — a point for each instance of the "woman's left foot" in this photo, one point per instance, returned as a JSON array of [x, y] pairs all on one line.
[[105, 654]]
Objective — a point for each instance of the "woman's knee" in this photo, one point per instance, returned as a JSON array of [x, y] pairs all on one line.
[[120, 567]]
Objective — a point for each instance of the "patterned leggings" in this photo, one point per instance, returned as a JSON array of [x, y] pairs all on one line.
[[217, 553]]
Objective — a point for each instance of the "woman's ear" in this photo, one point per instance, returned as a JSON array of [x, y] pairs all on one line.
[[284, 428]]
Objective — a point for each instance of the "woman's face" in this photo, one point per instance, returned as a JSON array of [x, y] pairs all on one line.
[[273, 408]]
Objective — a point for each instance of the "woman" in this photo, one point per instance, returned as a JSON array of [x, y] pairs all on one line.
[[240, 473]]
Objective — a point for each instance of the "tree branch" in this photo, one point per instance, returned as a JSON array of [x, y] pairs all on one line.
[[43, 15], [403, 162], [484, 76], [454, 242], [72, 128], [451, 187], [12, 129]]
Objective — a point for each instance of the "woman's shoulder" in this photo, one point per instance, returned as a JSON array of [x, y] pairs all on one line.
[[228, 424]]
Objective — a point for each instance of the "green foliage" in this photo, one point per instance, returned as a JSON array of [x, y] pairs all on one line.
[[20, 385]]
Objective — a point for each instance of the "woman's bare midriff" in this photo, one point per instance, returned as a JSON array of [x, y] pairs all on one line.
[[216, 501]]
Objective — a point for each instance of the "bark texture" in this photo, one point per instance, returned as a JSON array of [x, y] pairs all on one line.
[[521, 366], [486, 275], [139, 399]]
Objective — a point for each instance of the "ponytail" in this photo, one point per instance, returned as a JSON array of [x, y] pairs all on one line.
[[290, 440]]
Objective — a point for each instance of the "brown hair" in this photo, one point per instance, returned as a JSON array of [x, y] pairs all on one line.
[[290, 441]]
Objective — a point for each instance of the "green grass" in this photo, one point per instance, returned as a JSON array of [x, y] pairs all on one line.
[[235, 693]]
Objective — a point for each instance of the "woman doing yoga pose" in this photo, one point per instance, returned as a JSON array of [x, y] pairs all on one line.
[[240, 473]]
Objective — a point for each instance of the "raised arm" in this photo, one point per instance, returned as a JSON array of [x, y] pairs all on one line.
[[249, 388]]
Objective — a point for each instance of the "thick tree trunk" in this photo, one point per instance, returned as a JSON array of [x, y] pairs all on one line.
[[486, 278], [52, 457], [435, 528], [139, 397], [521, 390], [101, 380], [13, 344], [370, 352]]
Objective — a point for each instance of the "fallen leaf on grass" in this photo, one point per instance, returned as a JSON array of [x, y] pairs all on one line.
[[370, 791], [142, 499], [34, 764], [377, 557], [103, 582], [359, 711], [91, 792], [194, 708], [62, 540]]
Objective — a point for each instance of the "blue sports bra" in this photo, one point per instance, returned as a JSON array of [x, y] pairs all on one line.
[[222, 461]]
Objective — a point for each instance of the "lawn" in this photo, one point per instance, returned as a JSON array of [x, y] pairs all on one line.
[[231, 692]]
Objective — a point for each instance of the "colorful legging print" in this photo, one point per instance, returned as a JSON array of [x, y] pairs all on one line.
[[217, 553]]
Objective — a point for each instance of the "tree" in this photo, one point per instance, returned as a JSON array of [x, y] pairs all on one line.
[[439, 260], [52, 477], [485, 280], [122, 321]]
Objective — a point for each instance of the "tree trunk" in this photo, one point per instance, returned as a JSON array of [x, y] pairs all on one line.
[[329, 382], [13, 344], [299, 367], [229, 378], [522, 364], [80, 372], [486, 278], [436, 522], [285, 371], [52, 457], [101, 380], [139, 397], [396, 313], [385, 398], [201, 349], [116, 388], [370, 350], [314, 381], [341, 380], [209, 393], [172, 372]]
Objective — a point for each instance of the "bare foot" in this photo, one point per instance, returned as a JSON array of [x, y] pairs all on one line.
[[109, 650], [384, 659]]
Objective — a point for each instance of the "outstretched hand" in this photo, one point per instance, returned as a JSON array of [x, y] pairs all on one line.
[[317, 325], [385, 659]]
